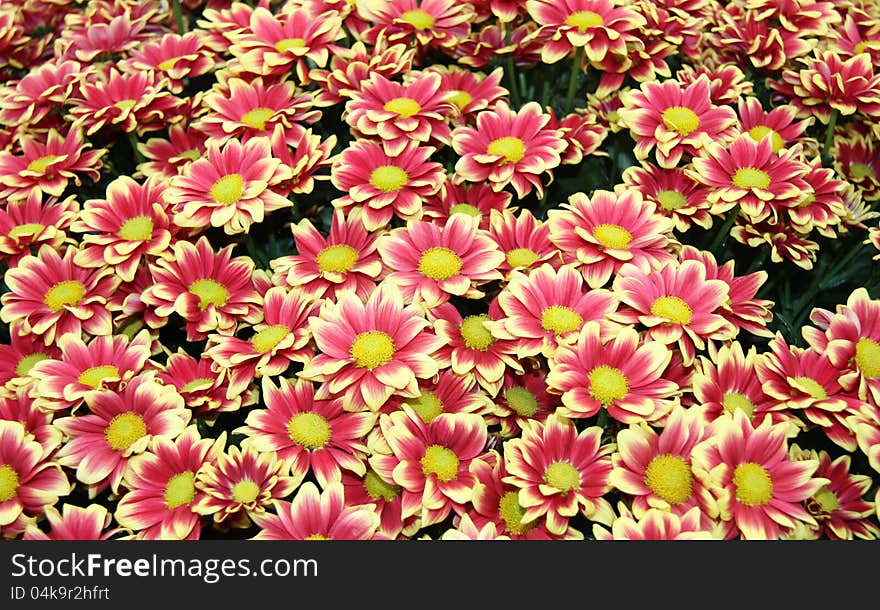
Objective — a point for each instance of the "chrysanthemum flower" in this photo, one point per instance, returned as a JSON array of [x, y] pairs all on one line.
[[309, 434], [465, 529], [45, 88], [657, 524], [50, 295], [599, 234], [383, 497], [305, 155], [472, 199], [203, 389], [524, 239], [676, 195], [759, 488], [677, 303], [385, 185], [470, 91], [399, 113], [777, 124], [727, 81], [162, 497], [76, 523], [371, 350], [314, 515], [431, 460], [118, 426], [430, 264], [103, 31], [350, 67], [582, 134], [867, 430], [241, 483], [48, 163], [167, 157], [675, 119], [174, 56], [231, 187], [19, 405], [18, 357], [548, 307], [857, 159], [786, 243], [29, 482], [560, 473], [441, 23], [445, 393], [522, 398], [623, 374], [211, 290], [508, 147], [32, 222]]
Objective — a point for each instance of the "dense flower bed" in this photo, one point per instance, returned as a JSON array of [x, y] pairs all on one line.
[[400, 269]]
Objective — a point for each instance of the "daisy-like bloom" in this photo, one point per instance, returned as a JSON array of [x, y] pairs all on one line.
[[398, 114], [675, 119], [477, 200], [241, 483], [19, 405], [624, 375], [246, 109], [839, 508], [18, 357], [470, 91], [597, 26], [524, 239], [131, 224], [104, 363], [759, 488], [385, 498], [29, 481], [211, 290], [173, 56], [163, 495], [522, 398], [102, 31], [785, 242], [560, 473], [314, 515], [857, 159], [134, 103], [599, 234], [829, 83], [308, 433], [675, 194], [203, 389], [678, 304], [48, 163], [76, 523], [118, 426], [867, 430], [350, 67], [431, 461], [465, 529], [305, 156], [508, 147], [371, 350], [777, 124], [35, 221], [167, 157], [438, 23], [294, 38], [581, 132], [429, 263], [657, 524], [280, 338], [445, 393], [44, 88], [385, 185], [50, 295], [548, 307], [346, 259], [231, 187], [822, 207], [727, 81], [750, 174]]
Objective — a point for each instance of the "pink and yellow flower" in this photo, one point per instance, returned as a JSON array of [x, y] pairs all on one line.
[[440, 23], [76, 523], [18, 405], [477, 200], [524, 239], [44, 89], [175, 57], [203, 389], [17, 359], [676, 195], [777, 124], [465, 529], [167, 157], [383, 497], [522, 398], [33, 222], [470, 91], [445, 393], [657, 524]]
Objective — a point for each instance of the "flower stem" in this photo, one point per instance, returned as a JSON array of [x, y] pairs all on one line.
[[178, 17], [132, 139], [573, 81], [510, 69], [724, 231], [829, 135]]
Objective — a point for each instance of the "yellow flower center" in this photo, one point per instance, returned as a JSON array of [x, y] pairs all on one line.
[[180, 490], [210, 292], [316, 537], [378, 489], [512, 514], [389, 178], [735, 401], [583, 20], [812, 387], [754, 487], [826, 500], [404, 107], [199, 383], [683, 120], [607, 384], [8, 483], [137, 228], [671, 200], [40, 165], [339, 258], [560, 319], [193, 154], [69, 292], [511, 148], [228, 189], [123, 430], [266, 339], [859, 171], [673, 309], [521, 257], [25, 365], [168, 64], [28, 229], [562, 476], [475, 333], [460, 98], [93, 376], [465, 208], [868, 357], [612, 236], [439, 263], [521, 401], [257, 118], [427, 405], [372, 349], [245, 491], [440, 461], [125, 105], [285, 45], [759, 132], [419, 19], [309, 430], [670, 478], [750, 177]]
